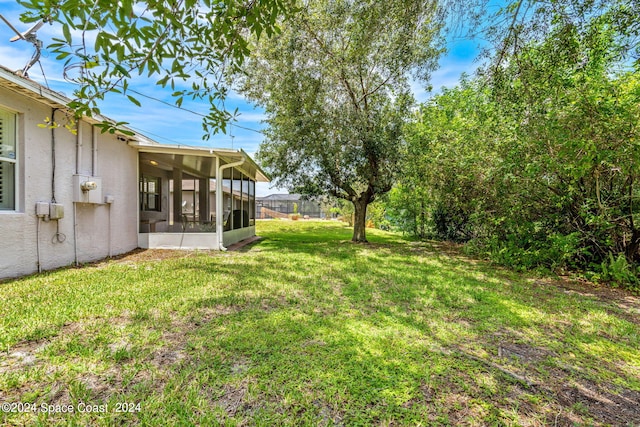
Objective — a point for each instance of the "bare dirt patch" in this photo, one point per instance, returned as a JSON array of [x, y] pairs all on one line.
[[19, 358], [139, 255], [232, 398], [157, 363], [571, 398], [584, 287], [328, 415], [608, 408], [523, 352]]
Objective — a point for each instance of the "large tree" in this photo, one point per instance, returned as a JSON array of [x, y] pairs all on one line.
[[335, 84], [189, 46]]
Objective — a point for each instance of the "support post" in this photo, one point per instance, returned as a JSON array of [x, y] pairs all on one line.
[[219, 207], [177, 199], [203, 200], [219, 176]]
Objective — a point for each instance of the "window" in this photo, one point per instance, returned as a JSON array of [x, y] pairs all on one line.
[[7, 160], [150, 194]]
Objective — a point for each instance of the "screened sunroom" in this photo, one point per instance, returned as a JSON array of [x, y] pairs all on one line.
[[195, 198]]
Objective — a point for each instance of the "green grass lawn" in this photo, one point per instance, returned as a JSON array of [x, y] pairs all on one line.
[[307, 328]]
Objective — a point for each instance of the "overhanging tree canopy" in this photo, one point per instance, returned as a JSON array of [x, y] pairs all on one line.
[[190, 46]]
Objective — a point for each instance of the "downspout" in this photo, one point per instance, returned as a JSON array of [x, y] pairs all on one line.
[[38, 244], [137, 185], [75, 234], [94, 148], [78, 146], [219, 211], [219, 208], [78, 167], [109, 229]]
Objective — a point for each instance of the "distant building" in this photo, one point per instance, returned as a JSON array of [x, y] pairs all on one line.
[[281, 205]]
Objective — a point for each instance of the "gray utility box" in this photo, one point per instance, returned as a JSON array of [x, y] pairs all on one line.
[[56, 211]]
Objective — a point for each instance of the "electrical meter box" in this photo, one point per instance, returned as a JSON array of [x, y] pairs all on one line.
[[87, 189], [56, 211]]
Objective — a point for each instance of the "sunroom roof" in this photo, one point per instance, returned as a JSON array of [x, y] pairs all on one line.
[[198, 161]]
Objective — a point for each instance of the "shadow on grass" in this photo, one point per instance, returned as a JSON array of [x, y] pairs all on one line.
[[307, 328], [395, 311]]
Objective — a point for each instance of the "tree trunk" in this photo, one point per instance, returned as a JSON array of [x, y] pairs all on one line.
[[359, 221], [631, 251], [423, 220]]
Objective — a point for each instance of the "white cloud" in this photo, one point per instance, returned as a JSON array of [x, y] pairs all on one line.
[[251, 117], [11, 58], [266, 188], [447, 76]]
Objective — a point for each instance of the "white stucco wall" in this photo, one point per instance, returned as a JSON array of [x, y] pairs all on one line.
[[100, 228]]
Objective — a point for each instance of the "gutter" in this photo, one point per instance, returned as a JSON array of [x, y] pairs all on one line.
[[219, 198]]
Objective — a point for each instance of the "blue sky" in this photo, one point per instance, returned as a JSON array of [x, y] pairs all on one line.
[[170, 125]]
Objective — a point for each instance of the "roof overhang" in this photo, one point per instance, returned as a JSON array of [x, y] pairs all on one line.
[[192, 156], [37, 92], [31, 89]]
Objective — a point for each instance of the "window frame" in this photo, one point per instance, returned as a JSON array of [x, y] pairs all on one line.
[[12, 161], [144, 193]]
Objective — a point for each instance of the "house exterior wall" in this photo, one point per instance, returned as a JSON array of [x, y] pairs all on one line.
[[102, 229]]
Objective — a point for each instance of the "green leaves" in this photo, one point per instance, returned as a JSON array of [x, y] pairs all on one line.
[[134, 100], [66, 33], [536, 160], [192, 42], [334, 83]]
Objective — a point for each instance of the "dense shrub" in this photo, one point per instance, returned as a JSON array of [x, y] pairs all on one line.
[[540, 167]]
